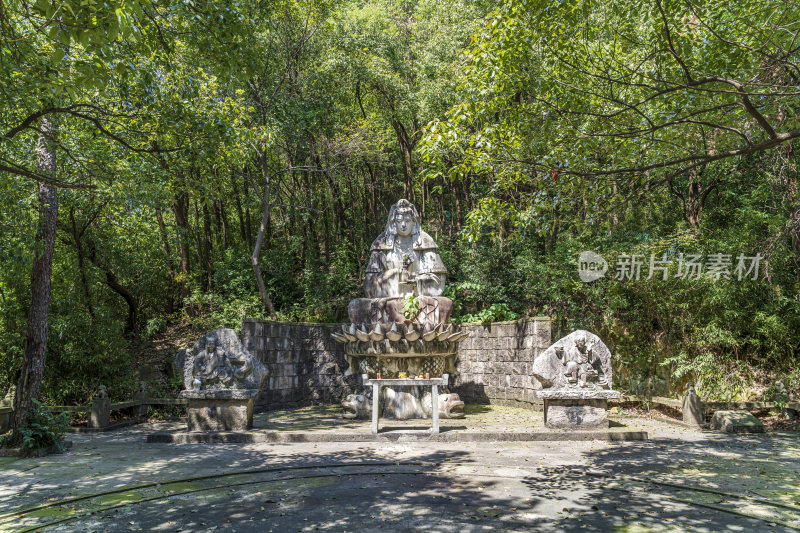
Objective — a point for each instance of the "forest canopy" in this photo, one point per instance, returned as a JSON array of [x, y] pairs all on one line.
[[186, 164]]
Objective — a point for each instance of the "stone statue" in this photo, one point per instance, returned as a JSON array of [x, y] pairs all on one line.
[[576, 376], [358, 405], [403, 259], [403, 262], [218, 361], [579, 360], [212, 366], [692, 407], [402, 325]]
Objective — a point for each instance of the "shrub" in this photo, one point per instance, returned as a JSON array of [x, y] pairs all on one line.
[[42, 429]]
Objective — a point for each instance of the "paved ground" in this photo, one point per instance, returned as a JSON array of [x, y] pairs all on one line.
[[325, 423], [680, 480]]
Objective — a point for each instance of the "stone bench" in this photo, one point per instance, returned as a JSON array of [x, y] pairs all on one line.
[[433, 383], [576, 408]]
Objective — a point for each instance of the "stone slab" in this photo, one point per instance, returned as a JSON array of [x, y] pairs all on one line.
[[575, 414], [448, 436], [736, 422], [577, 394], [224, 394]]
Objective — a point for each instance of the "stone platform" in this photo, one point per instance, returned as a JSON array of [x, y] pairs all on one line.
[[483, 423], [576, 408], [220, 410]]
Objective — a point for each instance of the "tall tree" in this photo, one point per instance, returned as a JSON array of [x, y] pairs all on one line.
[[32, 371]]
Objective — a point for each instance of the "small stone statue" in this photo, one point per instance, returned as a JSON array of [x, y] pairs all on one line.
[[781, 396], [579, 360], [358, 405], [692, 407], [101, 392], [213, 366], [218, 361], [576, 378]]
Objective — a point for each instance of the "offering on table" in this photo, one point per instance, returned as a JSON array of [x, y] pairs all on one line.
[[403, 375]]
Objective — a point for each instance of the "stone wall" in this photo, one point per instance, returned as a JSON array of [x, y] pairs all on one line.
[[494, 362], [307, 366]]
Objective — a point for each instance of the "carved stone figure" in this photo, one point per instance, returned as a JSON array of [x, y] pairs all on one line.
[[451, 406], [218, 361], [692, 407], [576, 377], [221, 381], [402, 325], [404, 257], [579, 360], [357, 406], [579, 363], [404, 261]]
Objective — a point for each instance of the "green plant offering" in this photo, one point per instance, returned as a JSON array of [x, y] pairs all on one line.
[[42, 429], [411, 307]]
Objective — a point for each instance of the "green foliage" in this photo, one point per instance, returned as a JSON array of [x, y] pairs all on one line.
[[42, 429], [494, 313], [411, 307], [154, 326], [525, 133]]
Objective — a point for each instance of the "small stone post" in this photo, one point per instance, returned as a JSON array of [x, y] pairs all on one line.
[[782, 396], [693, 411], [100, 416], [140, 396]]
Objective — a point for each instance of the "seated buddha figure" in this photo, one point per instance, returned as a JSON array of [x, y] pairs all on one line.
[[403, 262]]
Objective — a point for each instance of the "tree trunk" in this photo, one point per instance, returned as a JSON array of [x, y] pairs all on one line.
[[789, 172], [180, 207], [239, 211], [77, 237], [31, 373], [162, 229], [406, 148], [133, 305], [208, 246], [254, 259], [694, 208]]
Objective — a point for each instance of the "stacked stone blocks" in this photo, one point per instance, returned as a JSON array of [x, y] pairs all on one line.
[[307, 366], [494, 362]]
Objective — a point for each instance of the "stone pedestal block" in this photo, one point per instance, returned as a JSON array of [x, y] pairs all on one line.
[[576, 408], [220, 410]]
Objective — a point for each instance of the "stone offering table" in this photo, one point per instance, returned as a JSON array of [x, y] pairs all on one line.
[[220, 410], [576, 408], [433, 383]]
